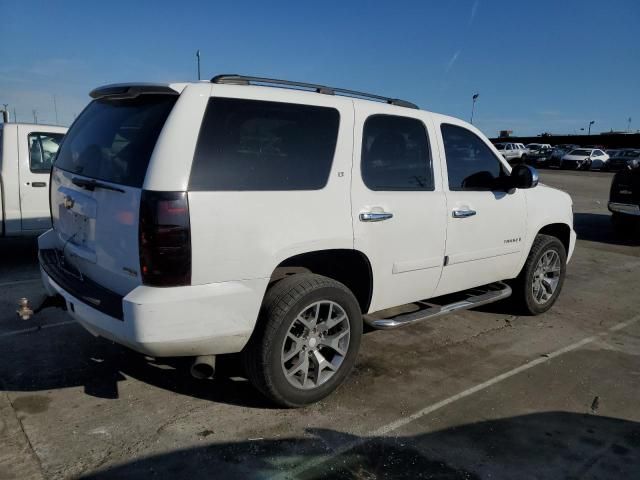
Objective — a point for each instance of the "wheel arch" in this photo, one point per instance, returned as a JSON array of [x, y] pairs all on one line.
[[348, 266], [560, 230]]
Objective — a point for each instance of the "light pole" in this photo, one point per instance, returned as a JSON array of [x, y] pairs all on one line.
[[591, 123], [473, 105], [35, 116], [629, 125], [198, 60]]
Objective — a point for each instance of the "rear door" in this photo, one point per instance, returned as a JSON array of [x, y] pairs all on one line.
[[97, 183], [486, 225], [398, 214], [37, 149]]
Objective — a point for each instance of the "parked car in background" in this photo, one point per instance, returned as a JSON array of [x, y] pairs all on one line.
[[584, 159], [26, 154], [623, 159], [201, 219], [613, 152], [624, 197], [558, 152], [512, 152], [537, 146], [538, 154]]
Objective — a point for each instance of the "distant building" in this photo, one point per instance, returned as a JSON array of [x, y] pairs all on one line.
[[505, 133]]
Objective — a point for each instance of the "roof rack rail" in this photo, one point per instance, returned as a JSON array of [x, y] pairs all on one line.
[[233, 79]]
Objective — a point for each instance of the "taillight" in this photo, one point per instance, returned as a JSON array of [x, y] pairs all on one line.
[[165, 239]]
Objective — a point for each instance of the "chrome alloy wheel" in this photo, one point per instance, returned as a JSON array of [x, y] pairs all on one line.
[[315, 345], [546, 277]]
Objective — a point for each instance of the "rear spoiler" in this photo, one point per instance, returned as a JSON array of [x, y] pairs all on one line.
[[131, 90]]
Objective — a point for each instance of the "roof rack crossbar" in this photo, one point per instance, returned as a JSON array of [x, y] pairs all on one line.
[[232, 79]]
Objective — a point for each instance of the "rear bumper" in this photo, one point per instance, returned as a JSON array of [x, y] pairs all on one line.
[[171, 322], [625, 208], [206, 319]]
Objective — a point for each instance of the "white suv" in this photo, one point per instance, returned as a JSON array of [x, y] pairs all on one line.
[[512, 152], [200, 219]]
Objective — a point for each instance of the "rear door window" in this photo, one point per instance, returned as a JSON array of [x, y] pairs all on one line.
[[395, 154], [260, 145], [113, 140], [42, 150]]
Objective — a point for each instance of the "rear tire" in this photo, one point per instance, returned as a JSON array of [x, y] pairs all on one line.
[[537, 287], [288, 357]]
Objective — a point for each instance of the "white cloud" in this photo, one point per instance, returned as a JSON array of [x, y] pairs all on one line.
[[474, 11], [452, 60]]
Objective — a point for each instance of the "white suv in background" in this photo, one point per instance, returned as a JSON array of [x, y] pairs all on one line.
[[512, 152], [200, 219]]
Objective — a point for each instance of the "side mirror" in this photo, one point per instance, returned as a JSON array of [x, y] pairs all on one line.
[[523, 176]]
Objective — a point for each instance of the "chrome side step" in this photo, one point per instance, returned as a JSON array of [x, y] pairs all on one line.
[[463, 301]]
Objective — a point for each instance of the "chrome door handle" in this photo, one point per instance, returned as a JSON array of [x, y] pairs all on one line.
[[463, 212], [375, 216]]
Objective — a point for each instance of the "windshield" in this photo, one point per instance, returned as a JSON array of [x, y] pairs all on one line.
[[534, 146], [580, 152], [113, 140]]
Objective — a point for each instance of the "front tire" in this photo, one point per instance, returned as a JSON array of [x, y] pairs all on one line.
[[306, 341], [537, 287]]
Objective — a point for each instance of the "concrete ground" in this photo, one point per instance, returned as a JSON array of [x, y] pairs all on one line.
[[479, 394]]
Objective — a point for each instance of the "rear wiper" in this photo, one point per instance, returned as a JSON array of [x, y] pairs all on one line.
[[91, 185]]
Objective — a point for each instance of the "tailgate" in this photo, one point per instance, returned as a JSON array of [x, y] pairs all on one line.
[[96, 186]]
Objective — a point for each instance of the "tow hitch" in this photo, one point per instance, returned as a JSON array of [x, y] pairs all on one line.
[[25, 312]]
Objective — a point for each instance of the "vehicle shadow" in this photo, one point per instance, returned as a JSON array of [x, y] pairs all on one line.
[[542, 445], [597, 227], [18, 258], [70, 357]]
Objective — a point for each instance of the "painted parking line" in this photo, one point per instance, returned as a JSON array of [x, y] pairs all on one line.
[[20, 282], [35, 329], [397, 424]]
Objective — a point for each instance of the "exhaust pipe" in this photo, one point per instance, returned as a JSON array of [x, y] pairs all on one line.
[[203, 366]]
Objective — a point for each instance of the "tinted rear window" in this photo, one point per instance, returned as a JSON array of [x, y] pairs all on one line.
[[113, 140], [256, 145]]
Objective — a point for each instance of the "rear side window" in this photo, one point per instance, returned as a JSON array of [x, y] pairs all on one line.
[[471, 165], [258, 145], [42, 150], [113, 140], [395, 154]]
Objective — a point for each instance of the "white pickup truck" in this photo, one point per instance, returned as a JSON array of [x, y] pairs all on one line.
[[26, 154]]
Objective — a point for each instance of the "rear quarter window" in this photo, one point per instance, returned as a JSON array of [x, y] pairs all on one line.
[[260, 145], [113, 140]]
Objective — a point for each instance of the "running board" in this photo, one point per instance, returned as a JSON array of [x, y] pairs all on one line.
[[463, 301]]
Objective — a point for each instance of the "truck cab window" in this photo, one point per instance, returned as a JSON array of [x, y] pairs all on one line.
[[42, 150]]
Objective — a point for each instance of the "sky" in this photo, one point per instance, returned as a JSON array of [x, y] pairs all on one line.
[[538, 66]]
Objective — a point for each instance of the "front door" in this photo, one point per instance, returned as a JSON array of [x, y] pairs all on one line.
[[36, 151], [399, 218], [485, 225]]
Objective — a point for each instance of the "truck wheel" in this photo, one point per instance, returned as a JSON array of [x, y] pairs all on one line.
[[306, 340], [537, 287]]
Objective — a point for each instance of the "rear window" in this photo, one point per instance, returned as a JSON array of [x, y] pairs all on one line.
[[259, 145], [113, 140]]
